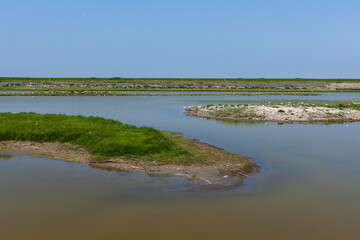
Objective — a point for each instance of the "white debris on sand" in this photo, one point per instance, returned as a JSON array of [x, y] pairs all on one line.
[[276, 113]]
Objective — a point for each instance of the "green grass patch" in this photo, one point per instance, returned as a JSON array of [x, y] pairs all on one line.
[[103, 138]]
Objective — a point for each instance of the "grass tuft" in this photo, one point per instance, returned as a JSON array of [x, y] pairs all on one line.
[[101, 137]]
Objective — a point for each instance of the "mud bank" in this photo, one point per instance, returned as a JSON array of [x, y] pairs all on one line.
[[221, 171]]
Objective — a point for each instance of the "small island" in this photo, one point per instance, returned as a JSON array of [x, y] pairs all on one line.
[[110, 144], [282, 113]]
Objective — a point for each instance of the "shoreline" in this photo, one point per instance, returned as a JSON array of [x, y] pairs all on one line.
[[260, 85], [222, 171], [281, 113], [99, 93]]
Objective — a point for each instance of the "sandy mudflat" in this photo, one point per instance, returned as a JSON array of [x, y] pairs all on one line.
[[276, 113]]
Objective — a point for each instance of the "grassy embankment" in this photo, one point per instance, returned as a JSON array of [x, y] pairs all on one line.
[[102, 138], [132, 93], [172, 84]]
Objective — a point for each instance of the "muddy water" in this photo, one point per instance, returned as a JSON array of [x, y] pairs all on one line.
[[308, 187]]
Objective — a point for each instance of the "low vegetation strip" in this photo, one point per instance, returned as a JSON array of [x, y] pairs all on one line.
[[178, 84], [120, 79], [290, 112], [144, 93]]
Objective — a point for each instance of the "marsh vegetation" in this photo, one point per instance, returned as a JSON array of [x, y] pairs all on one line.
[[101, 137]]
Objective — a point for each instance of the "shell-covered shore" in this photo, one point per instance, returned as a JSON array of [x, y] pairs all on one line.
[[303, 113]]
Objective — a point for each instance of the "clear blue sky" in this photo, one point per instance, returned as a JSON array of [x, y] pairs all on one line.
[[183, 38]]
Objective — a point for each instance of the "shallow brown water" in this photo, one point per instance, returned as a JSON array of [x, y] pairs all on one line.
[[51, 199], [308, 187]]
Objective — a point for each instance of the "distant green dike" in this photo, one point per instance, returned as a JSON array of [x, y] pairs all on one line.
[[162, 92], [102, 138], [239, 80], [55, 91]]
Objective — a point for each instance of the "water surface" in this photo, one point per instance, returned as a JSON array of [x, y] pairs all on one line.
[[308, 187]]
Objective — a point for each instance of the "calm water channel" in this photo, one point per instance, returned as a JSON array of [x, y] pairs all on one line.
[[308, 188]]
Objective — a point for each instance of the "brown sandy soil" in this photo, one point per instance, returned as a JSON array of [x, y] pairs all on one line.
[[221, 170], [276, 113]]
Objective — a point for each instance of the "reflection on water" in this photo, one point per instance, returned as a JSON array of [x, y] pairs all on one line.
[[308, 187], [108, 169], [267, 100], [256, 123], [237, 123], [5, 157]]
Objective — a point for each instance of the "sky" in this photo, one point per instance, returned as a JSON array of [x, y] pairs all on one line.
[[183, 38]]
